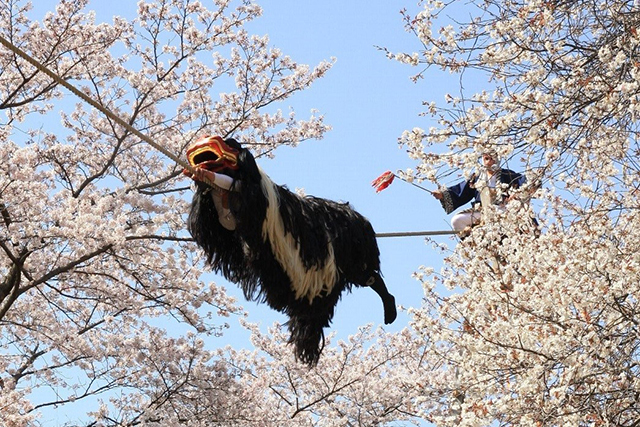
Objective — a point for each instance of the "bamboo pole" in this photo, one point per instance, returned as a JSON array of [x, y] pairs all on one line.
[[416, 233]]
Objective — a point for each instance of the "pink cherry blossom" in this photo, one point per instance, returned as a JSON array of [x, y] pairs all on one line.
[[103, 309]]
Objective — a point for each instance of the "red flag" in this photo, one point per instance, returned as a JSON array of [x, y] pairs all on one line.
[[383, 181]]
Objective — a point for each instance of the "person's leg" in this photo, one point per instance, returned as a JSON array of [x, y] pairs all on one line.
[[388, 301], [465, 219]]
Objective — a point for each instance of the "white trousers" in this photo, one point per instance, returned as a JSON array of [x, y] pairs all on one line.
[[466, 218]]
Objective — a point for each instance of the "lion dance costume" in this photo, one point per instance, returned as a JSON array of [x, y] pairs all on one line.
[[297, 254]]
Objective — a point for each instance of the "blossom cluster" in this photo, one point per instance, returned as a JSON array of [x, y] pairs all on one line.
[[531, 321], [96, 266]]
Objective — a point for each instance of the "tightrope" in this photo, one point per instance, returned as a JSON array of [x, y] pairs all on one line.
[[41, 67], [86, 98], [417, 233]]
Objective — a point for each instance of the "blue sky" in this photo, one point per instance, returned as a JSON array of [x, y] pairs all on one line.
[[369, 101]]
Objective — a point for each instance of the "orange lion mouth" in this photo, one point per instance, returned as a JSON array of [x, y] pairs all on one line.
[[212, 153]]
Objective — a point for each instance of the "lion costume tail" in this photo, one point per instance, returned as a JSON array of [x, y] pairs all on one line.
[[307, 336]]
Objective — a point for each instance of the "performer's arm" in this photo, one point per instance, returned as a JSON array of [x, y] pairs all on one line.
[[455, 196], [223, 181], [220, 180]]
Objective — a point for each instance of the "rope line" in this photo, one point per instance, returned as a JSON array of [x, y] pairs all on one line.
[[111, 115], [416, 233], [86, 98]]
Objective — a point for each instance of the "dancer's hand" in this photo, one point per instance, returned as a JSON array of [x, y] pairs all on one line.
[[200, 174]]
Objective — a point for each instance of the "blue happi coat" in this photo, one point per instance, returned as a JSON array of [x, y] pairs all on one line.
[[465, 191]]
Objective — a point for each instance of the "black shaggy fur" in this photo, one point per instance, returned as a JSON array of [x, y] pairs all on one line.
[[244, 256]]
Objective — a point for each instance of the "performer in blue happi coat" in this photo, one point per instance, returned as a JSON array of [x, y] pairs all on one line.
[[490, 177]]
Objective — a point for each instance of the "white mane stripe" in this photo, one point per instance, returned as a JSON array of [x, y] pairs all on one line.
[[305, 283]]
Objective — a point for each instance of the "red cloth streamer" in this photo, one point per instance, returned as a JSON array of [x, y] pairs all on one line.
[[383, 181]]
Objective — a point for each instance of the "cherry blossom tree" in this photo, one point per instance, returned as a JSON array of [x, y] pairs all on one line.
[[95, 263], [526, 327], [365, 380], [528, 323], [531, 323]]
